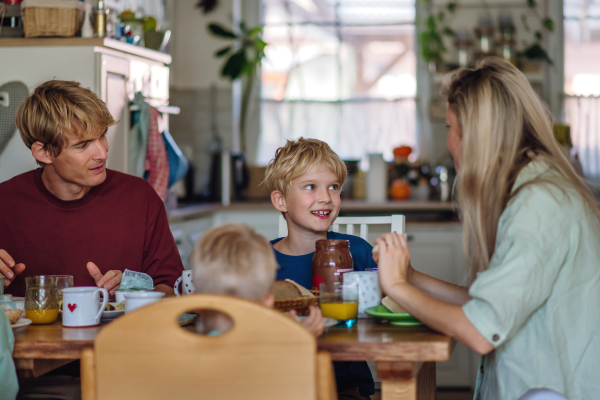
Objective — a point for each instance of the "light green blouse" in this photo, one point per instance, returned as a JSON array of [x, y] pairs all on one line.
[[538, 304], [9, 385]]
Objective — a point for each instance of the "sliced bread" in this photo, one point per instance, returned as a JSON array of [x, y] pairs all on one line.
[[283, 290], [393, 306], [302, 289]]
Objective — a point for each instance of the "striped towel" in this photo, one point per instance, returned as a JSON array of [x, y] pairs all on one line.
[[157, 163]]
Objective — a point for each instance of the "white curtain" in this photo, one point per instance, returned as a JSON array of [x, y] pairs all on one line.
[[583, 115], [353, 128]]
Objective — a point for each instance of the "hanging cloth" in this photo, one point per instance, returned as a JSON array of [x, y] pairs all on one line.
[[138, 137], [157, 163]]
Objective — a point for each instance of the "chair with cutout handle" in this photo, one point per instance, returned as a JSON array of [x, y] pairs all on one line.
[[265, 355]]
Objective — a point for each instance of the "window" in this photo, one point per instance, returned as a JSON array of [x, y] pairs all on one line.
[[582, 81], [343, 71]]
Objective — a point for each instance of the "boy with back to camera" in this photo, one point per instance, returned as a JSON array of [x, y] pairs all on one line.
[[305, 180], [233, 259]]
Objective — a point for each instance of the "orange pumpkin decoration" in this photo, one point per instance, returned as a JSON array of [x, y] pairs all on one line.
[[402, 151], [399, 189]]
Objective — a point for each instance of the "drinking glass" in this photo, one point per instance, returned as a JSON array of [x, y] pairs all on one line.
[[41, 299], [62, 282], [339, 301]]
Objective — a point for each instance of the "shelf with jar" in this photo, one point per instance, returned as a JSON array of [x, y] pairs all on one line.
[[456, 35]]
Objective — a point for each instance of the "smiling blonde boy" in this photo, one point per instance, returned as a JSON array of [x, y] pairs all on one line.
[[305, 180]]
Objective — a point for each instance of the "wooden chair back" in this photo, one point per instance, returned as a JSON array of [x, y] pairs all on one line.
[[396, 221], [146, 354]]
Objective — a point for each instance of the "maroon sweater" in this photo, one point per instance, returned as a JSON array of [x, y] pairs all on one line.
[[118, 224]]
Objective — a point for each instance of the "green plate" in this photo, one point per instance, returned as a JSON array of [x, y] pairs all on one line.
[[382, 312]]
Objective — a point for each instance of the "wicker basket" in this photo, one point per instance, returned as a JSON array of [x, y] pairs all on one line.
[[55, 18], [300, 304]]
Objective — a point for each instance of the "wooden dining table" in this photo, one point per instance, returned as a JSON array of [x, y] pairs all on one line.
[[405, 355]]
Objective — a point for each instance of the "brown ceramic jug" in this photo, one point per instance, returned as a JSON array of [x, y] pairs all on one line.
[[331, 260]]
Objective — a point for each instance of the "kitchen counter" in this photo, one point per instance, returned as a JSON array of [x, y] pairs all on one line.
[[413, 210]]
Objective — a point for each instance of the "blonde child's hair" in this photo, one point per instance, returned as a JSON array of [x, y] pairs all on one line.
[[233, 259], [58, 106], [505, 125], [297, 157]]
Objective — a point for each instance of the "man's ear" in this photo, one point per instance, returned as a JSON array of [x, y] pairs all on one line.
[[278, 201], [40, 153], [269, 300]]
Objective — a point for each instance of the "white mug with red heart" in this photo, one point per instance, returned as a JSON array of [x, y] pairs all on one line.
[[187, 287], [80, 306]]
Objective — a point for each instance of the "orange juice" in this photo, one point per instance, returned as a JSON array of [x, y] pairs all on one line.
[[42, 316], [341, 311]]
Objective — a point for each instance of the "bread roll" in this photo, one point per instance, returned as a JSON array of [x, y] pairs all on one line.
[[283, 290], [393, 306], [13, 315]]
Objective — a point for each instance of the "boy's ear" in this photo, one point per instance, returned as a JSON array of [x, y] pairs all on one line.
[[278, 201], [40, 153], [269, 300]]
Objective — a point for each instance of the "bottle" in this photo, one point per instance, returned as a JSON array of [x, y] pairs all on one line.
[[100, 20], [87, 30], [332, 259]]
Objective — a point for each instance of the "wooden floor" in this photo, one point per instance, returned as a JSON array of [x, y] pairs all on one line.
[[442, 394]]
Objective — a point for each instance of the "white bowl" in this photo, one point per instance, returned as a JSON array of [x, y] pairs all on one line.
[[134, 300]]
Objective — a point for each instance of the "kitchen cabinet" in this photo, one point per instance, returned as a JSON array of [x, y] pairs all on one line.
[[114, 70]]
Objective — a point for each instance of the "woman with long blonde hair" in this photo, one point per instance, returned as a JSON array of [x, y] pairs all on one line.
[[531, 234]]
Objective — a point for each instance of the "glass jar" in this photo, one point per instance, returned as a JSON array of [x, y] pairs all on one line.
[[331, 260], [7, 303], [41, 299]]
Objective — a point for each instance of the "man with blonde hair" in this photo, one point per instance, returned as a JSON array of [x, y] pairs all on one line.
[[73, 216], [305, 180], [233, 259]]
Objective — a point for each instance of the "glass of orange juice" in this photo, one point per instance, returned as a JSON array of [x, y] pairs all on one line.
[[41, 299], [339, 301]]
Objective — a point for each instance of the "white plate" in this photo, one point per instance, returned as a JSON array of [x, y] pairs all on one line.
[[21, 322], [329, 322], [110, 315]]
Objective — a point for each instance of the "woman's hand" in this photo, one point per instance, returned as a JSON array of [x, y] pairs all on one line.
[[314, 322], [393, 260]]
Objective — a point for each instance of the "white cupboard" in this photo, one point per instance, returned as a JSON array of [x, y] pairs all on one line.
[[115, 71]]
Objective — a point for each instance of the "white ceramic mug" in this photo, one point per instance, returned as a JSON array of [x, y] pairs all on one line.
[[369, 293], [134, 300], [187, 287], [120, 295], [80, 306]]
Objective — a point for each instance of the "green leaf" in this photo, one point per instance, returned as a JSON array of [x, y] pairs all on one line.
[[448, 32], [441, 16], [431, 25], [538, 35], [525, 24], [260, 45], [536, 52], [255, 31], [451, 6], [531, 3], [219, 31], [549, 24], [243, 28], [235, 65], [222, 52]]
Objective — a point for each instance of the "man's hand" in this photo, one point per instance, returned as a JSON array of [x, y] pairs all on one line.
[[394, 260], [314, 322], [8, 268], [109, 281]]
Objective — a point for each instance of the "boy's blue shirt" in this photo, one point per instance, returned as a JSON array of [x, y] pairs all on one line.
[[299, 269]]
